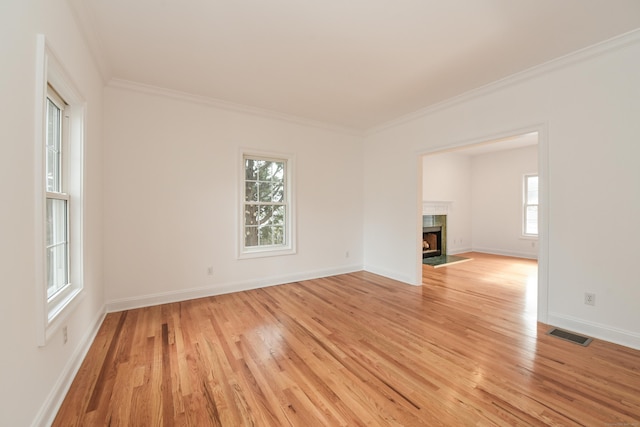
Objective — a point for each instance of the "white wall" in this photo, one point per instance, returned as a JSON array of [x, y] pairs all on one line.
[[496, 189], [33, 379], [446, 177], [586, 108], [171, 195]]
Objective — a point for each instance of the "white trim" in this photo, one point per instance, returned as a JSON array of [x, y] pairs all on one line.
[[49, 71], [436, 208], [515, 254], [572, 58], [228, 106], [54, 399], [458, 250], [39, 190], [222, 288], [394, 275], [290, 246], [595, 330], [543, 223]]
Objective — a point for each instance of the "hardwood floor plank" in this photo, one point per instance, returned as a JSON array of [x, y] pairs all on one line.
[[355, 350]]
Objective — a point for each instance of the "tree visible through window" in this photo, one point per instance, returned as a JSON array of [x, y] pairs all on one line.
[[531, 205], [265, 202]]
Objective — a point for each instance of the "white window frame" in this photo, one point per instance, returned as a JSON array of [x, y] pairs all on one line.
[[53, 311], [526, 204], [59, 194], [289, 245]]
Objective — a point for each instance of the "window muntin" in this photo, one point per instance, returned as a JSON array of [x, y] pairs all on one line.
[[530, 220], [265, 203]]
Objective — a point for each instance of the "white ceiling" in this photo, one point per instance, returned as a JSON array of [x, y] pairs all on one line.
[[350, 63]]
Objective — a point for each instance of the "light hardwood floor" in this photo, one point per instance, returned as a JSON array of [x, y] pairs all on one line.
[[356, 349]]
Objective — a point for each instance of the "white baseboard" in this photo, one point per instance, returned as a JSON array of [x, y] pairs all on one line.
[[400, 277], [516, 254], [220, 289], [595, 330], [458, 251], [52, 403]]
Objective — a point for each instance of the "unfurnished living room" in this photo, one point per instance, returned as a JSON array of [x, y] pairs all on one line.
[[320, 213]]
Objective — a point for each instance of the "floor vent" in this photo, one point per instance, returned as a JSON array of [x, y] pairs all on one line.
[[569, 336]]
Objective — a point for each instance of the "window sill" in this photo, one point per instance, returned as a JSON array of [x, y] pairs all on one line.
[[263, 253], [526, 237], [57, 314]]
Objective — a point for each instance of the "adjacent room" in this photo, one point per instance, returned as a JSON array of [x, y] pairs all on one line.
[[320, 213]]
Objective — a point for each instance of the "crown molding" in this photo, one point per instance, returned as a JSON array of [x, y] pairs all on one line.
[[572, 58], [86, 23], [229, 106]]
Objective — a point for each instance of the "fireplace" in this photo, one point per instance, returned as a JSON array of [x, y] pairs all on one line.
[[431, 241], [434, 235]]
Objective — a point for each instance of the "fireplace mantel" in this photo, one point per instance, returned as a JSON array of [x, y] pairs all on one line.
[[436, 207]]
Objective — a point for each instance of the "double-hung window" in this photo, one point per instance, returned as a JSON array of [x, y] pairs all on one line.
[[530, 206], [57, 198], [267, 208], [59, 160]]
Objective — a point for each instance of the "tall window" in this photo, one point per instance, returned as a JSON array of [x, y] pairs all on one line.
[[530, 223], [57, 198], [266, 205], [59, 160]]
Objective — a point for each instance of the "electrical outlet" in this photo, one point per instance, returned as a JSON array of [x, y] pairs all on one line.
[[210, 271], [346, 255], [65, 336], [589, 298]]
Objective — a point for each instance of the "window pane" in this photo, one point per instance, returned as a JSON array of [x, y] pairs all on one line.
[[56, 222], [265, 212], [278, 235], [531, 220], [53, 146], [277, 218], [271, 192], [57, 246], [250, 170], [278, 172], [532, 190], [264, 170], [251, 191], [277, 194], [251, 215], [56, 268], [266, 236], [251, 236]]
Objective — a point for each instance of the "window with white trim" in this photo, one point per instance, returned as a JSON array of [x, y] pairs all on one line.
[[57, 198], [530, 206], [267, 208], [59, 160]]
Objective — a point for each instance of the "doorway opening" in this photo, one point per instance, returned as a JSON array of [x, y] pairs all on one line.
[[482, 185]]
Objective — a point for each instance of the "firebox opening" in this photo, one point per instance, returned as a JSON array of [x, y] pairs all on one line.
[[431, 241]]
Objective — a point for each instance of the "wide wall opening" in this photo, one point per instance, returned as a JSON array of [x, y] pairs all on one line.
[[474, 200]]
